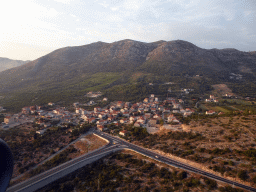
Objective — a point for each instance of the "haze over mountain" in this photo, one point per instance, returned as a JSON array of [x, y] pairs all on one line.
[[102, 65], [6, 63]]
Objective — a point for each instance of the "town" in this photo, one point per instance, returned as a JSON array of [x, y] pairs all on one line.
[[170, 126], [150, 114]]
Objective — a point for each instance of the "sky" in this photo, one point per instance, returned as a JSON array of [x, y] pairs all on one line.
[[33, 28]]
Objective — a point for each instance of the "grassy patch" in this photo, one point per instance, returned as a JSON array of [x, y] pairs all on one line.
[[239, 101], [203, 107], [222, 109]]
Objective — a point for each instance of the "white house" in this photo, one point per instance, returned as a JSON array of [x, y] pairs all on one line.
[[41, 132], [210, 112], [51, 104], [123, 133], [9, 119]]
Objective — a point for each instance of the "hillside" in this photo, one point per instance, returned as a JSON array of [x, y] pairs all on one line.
[[123, 66], [6, 63]]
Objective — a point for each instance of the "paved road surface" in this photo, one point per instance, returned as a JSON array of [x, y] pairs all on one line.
[[115, 144]]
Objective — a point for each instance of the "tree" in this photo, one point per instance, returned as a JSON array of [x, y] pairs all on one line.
[[161, 122], [210, 183], [52, 151], [254, 179], [182, 175], [242, 175]]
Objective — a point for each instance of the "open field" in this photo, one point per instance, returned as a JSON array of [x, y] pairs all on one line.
[[221, 89], [89, 143], [222, 109]]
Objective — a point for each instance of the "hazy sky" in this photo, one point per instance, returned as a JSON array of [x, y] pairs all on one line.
[[33, 28]]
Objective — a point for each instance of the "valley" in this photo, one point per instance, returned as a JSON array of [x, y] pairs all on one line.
[[179, 100]]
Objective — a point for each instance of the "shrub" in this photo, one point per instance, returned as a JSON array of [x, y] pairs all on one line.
[[231, 163], [254, 179], [21, 170], [242, 175], [210, 183], [182, 175]]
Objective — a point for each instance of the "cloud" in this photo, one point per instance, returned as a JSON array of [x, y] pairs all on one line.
[[64, 1], [133, 5], [114, 8], [228, 37], [59, 23], [104, 4], [32, 24]]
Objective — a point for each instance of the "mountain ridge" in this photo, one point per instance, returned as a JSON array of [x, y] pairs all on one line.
[[103, 65], [6, 63], [128, 50]]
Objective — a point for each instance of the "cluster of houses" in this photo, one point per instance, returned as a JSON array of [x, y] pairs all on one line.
[[142, 114], [44, 118], [59, 114], [147, 113], [177, 107], [212, 99], [16, 119]]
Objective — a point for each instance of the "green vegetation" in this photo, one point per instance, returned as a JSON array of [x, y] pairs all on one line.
[[245, 89], [29, 148], [212, 184], [1, 118], [127, 172], [64, 76], [250, 153], [65, 92], [55, 161], [243, 175], [230, 189], [115, 86], [222, 109], [212, 133]]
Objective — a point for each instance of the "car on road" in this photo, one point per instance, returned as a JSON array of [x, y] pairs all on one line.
[[156, 156]]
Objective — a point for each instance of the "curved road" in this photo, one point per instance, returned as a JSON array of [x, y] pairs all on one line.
[[115, 144], [175, 163]]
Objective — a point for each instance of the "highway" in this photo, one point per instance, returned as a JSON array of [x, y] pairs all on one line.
[[175, 163], [115, 144], [58, 152], [41, 177]]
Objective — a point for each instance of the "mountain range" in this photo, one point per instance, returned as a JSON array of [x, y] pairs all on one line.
[[6, 63], [107, 66]]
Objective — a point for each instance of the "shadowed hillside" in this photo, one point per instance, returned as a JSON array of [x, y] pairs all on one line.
[[106, 66]]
